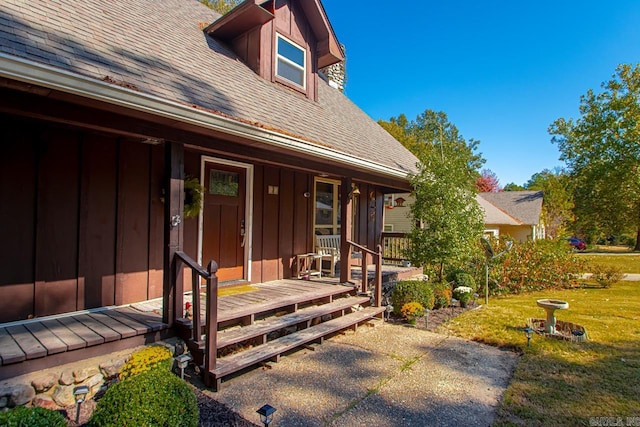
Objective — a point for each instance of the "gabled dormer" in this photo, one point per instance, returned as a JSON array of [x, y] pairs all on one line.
[[284, 41]]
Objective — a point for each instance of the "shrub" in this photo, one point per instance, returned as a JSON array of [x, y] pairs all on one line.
[[465, 279], [606, 276], [153, 398], [463, 294], [144, 360], [22, 416], [412, 291], [442, 295], [534, 266]]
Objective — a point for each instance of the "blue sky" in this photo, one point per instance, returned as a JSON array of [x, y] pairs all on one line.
[[503, 71]]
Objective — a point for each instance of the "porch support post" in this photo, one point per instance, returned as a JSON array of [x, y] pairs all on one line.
[[172, 295], [346, 207]]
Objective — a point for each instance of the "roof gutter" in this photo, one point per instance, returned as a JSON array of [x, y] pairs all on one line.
[[39, 74]]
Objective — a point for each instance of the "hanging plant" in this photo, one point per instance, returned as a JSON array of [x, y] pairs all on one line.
[[192, 197]]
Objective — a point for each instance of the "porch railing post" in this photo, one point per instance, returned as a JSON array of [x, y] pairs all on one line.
[[378, 279], [365, 277], [211, 346], [195, 301]]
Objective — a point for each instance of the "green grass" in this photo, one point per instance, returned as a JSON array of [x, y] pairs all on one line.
[[559, 382], [628, 263]]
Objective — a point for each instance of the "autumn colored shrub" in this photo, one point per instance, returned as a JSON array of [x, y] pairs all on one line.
[[605, 276], [442, 294], [533, 266], [148, 358]]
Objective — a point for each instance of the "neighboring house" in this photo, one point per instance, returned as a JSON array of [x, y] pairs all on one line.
[[106, 107], [516, 214], [397, 213]]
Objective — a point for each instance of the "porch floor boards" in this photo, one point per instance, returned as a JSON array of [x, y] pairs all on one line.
[[38, 338]]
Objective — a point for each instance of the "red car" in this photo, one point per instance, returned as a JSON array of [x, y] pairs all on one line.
[[577, 244]]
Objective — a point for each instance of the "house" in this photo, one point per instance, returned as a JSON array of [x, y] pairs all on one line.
[[513, 213], [107, 109]]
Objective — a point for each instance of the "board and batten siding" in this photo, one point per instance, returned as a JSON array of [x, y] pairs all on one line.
[[80, 220]]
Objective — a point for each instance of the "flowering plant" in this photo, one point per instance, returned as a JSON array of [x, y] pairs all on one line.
[[411, 310], [144, 360], [463, 294]]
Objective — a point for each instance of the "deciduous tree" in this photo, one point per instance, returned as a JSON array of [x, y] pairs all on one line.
[[444, 190], [220, 6], [557, 209], [488, 182], [602, 152]]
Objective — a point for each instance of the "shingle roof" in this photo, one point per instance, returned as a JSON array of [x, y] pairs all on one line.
[[494, 215], [158, 47], [524, 206]]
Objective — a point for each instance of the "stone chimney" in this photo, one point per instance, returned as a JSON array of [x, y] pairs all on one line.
[[336, 74]]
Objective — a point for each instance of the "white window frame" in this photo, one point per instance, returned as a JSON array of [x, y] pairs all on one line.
[[290, 62]]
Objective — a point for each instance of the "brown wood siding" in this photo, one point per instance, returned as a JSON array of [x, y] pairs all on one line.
[[156, 222], [56, 278], [17, 210], [81, 203], [258, 209], [132, 246], [270, 215], [287, 219], [96, 262]]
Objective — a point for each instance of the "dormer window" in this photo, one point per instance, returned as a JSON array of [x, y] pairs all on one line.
[[291, 61]]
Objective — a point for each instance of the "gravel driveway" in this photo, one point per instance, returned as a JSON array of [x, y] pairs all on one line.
[[387, 375]]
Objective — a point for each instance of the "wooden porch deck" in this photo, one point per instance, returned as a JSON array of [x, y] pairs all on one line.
[[35, 344]]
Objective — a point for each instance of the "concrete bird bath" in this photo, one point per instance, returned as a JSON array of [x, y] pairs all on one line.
[[550, 306]]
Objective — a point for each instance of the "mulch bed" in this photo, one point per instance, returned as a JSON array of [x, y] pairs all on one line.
[[214, 413]]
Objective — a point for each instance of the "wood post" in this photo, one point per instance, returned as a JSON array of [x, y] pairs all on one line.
[[211, 325], [378, 278], [172, 295], [345, 229]]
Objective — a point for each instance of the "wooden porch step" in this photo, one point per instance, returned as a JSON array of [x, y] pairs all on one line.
[[280, 301], [247, 358], [262, 328]]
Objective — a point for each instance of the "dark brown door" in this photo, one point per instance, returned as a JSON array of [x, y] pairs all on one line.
[[223, 234]]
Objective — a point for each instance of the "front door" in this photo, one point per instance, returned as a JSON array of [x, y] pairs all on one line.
[[223, 233]]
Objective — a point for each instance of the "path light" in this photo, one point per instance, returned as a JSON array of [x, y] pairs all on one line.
[[80, 394], [389, 309], [578, 334], [182, 361], [266, 414], [529, 333]]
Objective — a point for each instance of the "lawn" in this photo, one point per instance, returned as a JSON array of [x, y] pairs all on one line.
[[559, 382], [628, 263]]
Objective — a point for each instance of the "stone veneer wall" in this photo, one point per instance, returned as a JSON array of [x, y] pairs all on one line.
[[336, 73], [53, 388]]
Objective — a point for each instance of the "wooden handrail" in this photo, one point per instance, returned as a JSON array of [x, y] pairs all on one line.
[[377, 259], [211, 321]]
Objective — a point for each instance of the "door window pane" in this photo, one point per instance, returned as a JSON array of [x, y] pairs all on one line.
[[223, 183]]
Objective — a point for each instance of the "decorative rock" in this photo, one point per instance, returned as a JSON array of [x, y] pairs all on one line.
[[94, 381], [110, 369], [44, 401], [4, 401], [20, 394], [82, 374], [66, 378], [44, 382], [63, 395]]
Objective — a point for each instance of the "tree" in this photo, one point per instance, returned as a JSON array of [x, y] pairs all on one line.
[[488, 182], [602, 152], [220, 6], [444, 190], [557, 209], [512, 186]]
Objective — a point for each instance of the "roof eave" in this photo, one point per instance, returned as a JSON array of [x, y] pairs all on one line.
[[38, 74]]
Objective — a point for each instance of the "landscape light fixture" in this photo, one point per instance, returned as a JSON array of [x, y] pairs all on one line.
[[182, 361], [529, 333], [80, 394], [266, 414]]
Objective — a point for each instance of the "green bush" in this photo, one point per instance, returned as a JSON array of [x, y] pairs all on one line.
[[22, 416], [442, 294], [464, 279], [606, 276], [153, 398], [412, 291]]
